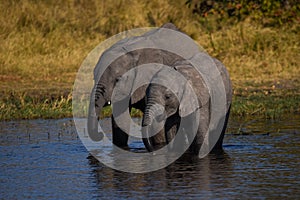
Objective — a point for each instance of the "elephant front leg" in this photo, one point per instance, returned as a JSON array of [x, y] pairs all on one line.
[[177, 133], [171, 127], [119, 136], [158, 140], [167, 133]]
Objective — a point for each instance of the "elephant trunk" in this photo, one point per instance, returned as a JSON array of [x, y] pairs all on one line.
[[148, 118], [95, 109], [153, 121], [147, 121]]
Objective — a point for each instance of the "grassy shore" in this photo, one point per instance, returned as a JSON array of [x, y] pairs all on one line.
[[44, 43]]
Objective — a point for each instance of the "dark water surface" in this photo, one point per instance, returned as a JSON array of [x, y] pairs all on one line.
[[45, 159]]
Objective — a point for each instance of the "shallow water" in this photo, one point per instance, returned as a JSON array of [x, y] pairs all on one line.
[[45, 159]]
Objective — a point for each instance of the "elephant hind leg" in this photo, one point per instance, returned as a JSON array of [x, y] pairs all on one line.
[[194, 148], [219, 145]]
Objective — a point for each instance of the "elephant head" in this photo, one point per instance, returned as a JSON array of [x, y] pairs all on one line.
[[106, 81], [102, 90]]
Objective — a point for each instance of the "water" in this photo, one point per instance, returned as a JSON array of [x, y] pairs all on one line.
[[45, 159]]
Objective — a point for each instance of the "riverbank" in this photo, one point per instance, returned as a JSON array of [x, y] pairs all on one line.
[[258, 102]]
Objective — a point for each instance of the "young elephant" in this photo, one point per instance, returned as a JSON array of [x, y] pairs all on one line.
[[123, 56], [175, 108]]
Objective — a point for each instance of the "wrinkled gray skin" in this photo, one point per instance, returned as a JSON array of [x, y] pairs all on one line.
[[103, 89], [175, 113]]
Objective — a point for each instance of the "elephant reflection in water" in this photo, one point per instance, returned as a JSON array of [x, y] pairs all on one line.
[[188, 177]]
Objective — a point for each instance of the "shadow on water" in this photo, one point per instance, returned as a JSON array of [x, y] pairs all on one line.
[[45, 159]]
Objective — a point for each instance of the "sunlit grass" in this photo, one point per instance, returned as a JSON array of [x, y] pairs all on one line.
[[22, 106], [43, 44]]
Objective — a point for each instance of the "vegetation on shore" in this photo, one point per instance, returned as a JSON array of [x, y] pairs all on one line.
[[43, 44]]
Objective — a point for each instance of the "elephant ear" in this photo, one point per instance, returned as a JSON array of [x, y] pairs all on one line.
[[194, 93]]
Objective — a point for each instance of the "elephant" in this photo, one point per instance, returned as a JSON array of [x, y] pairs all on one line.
[[169, 108], [126, 57]]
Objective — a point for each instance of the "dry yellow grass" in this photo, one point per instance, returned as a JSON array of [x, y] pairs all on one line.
[[44, 42]]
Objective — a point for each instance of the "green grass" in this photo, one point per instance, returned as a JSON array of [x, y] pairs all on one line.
[[43, 44], [23, 106], [267, 106]]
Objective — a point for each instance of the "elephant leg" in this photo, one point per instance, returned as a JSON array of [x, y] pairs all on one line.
[[179, 143], [196, 144], [158, 140], [182, 134], [169, 131], [200, 129], [119, 137], [219, 145], [171, 128]]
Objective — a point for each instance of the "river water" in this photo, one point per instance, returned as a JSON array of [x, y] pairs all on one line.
[[45, 159]]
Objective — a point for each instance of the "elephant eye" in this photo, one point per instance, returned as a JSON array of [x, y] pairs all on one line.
[[167, 96]]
